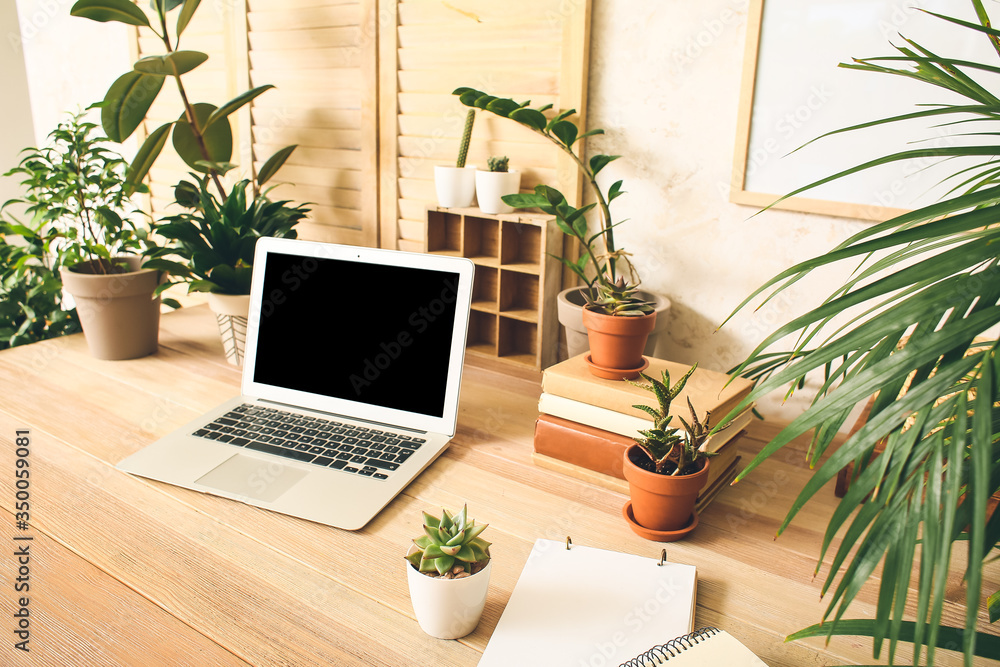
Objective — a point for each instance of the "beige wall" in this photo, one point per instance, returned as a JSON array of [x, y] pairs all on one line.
[[17, 126], [665, 85]]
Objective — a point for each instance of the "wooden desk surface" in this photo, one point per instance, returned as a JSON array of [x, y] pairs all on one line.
[[126, 571]]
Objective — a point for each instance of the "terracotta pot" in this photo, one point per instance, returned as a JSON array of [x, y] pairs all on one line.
[[232, 311], [455, 187], [617, 343], [662, 502], [448, 608], [120, 317], [570, 304]]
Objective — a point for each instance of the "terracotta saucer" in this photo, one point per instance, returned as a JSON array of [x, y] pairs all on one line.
[[658, 535], [616, 373]]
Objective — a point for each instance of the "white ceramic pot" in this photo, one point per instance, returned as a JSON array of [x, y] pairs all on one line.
[[491, 186], [448, 608], [232, 311], [570, 303], [456, 187]]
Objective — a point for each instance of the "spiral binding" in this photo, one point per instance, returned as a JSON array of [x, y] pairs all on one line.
[[662, 653]]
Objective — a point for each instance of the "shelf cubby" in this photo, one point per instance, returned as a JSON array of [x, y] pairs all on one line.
[[514, 291]]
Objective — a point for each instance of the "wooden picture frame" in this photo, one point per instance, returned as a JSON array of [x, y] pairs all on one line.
[[792, 38]]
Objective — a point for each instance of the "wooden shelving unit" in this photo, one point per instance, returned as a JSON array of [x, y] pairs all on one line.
[[514, 293]]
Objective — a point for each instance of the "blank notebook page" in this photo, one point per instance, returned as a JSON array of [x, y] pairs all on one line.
[[717, 648], [572, 606]]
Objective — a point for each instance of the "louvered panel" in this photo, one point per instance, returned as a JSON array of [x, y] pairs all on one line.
[[320, 55], [524, 49]]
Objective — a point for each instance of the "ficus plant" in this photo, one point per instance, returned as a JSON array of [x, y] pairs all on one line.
[[202, 135], [599, 262]]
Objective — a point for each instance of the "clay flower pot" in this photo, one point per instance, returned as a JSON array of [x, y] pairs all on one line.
[[448, 608], [662, 503], [570, 303], [120, 317], [616, 343]]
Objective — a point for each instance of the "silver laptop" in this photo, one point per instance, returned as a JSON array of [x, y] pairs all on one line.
[[350, 384]]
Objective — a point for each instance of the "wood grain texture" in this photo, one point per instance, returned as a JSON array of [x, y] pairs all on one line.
[[129, 567]]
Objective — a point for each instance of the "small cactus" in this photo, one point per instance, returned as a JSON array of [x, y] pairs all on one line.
[[463, 148], [498, 163], [617, 298], [450, 543]]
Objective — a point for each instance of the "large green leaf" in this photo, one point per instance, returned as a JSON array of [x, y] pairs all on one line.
[[273, 164], [186, 14], [122, 11], [235, 103], [172, 64], [146, 156], [126, 103], [215, 143]]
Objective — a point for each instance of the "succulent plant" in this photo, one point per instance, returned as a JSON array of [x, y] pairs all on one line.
[[617, 298], [498, 163], [463, 148], [665, 445], [450, 546]]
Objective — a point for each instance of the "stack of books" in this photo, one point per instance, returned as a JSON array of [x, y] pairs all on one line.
[[587, 423]]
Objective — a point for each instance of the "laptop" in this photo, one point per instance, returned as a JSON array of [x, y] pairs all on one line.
[[350, 384]]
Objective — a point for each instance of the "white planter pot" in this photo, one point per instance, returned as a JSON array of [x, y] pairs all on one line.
[[456, 187], [491, 186], [232, 311], [448, 608], [570, 313]]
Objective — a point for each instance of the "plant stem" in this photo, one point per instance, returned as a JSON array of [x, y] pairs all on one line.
[[85, 214]]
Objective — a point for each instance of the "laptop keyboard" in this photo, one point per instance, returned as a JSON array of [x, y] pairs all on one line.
[[324, 442]]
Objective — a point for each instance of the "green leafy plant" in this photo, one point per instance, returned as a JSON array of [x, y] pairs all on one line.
[[213, 243], [671, 451], [498, 163], [202, 135], [599, 258], [31, 306], [922, 307], [463, 146], [618, 298], [77, 197], [450, 546]]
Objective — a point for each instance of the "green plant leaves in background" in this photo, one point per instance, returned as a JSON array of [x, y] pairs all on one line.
[[218, 139], [234, 104], [172, 64], [126, 103], [273, 164], [147, 155], [121, 11], [187, 11]]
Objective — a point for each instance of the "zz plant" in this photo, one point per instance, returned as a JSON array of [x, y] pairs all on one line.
[[922, 309], [599, 259], [202, 134]]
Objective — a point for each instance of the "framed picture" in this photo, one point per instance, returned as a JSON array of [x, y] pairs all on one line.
[[793, 92]]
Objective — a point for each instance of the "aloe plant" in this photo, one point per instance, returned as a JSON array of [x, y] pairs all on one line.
[[202, 134], [618, 298], [664, 445], [922, 308], [450, 545], [599, 258]]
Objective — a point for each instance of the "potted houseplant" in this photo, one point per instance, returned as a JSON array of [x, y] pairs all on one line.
[[448, 573], [78, 196], [666, 468], [211, 248], [202, 135], [604, 269], [917, 331], [496, 182], [456, 186]]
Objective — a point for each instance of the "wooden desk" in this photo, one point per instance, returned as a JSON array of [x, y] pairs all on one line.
[[127, 571]]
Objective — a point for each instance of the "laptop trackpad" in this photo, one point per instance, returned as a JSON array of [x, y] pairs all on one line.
[[250, 477]]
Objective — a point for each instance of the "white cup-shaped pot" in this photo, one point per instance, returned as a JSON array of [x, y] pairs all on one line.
[[448, 608], [455, 186], [491, 186]]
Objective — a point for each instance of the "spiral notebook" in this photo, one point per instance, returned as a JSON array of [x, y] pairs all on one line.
[[704, 646], [576, 605]]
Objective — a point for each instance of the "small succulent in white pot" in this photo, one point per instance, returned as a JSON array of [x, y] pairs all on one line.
[[495, 183], [449, 574]]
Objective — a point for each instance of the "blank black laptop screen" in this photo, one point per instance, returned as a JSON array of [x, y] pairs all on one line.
[[368, 333]]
